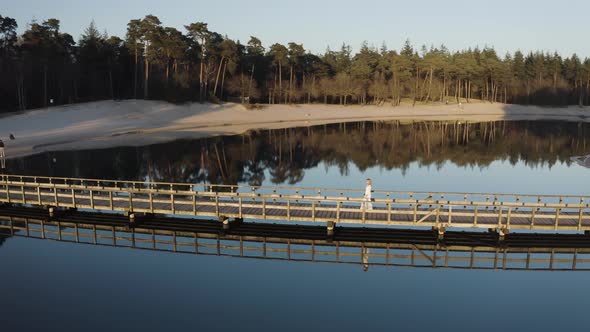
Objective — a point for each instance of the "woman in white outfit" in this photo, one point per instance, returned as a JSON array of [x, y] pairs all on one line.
[[367, 198]]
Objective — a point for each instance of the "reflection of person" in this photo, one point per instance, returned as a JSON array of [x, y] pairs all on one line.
[[367, 197], [365, 258]]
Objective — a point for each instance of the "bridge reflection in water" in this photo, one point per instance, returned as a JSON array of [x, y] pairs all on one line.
[[348, 245]]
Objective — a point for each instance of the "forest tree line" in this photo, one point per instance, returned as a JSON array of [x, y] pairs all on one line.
[[45, 66]]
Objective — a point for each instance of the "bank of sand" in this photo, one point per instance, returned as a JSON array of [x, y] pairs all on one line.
[[139, 122]]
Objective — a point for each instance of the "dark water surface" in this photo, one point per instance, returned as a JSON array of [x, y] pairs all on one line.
[[50, 285]]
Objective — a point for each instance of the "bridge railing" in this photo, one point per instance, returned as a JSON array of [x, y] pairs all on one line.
[[416, 208], [356, 252], [336, 194]]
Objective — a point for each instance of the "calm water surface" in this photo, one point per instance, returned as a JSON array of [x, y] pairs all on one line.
[[59, 286]]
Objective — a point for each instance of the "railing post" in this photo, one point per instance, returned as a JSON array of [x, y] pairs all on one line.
[[216, 203], [557, 210], [240, 207], [42, 229], [172, 207], [581, 214], [23, 192], [73, 198], [288, 209], [450, 214], [130, 200], [437, 219], [363, 212], [92, 199], [194, 197], [388, 213], [38, 194], [152, 202], [55, 195]]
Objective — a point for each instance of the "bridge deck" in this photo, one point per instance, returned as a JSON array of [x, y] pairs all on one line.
[[440, 210]]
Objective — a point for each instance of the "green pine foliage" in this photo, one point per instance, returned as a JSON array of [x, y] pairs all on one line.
[[45, 66]]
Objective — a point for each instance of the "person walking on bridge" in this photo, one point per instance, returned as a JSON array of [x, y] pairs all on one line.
[[367, 198]]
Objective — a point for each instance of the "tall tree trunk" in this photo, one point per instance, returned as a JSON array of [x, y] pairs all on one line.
[[147, 73], [218, 74], [276, 89], [416, 86], [280, 81], [223, 80], [167, 71], [45, 86], [111, 84], [290, 84], [430, 84], [250, 83], [444, 88], [135, 75], [201, 78]]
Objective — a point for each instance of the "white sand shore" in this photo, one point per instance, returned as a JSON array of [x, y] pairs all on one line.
[[139, 122]]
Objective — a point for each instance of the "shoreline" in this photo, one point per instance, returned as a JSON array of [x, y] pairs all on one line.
[[106, 124]]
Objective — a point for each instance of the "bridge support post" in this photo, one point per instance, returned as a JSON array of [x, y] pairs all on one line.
[[440, 232], [225, 222], [502, 232], [330, 226]]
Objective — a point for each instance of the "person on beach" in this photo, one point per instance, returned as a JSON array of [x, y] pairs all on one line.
[[2, 155], [367, 197]]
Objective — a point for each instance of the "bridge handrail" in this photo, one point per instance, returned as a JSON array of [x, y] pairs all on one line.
[[121, 184]]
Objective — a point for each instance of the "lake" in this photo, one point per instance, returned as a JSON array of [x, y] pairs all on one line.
[[53, 285]]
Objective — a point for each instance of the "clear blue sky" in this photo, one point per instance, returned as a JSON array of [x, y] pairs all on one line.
[[507, 25]]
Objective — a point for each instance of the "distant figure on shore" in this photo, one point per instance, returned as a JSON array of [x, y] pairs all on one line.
[[460, 106], [11, 136], [2, 155], [367, 197]]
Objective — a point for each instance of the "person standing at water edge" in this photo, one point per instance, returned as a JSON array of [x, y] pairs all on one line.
[[367, 197], [2, 155]]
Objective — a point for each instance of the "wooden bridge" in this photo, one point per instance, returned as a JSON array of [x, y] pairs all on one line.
[[440, 211], [350, 245]]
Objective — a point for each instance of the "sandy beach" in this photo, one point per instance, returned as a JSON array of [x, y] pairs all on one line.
[[138, 122]]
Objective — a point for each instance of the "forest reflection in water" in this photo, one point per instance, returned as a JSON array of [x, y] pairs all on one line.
[[282, 156]]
